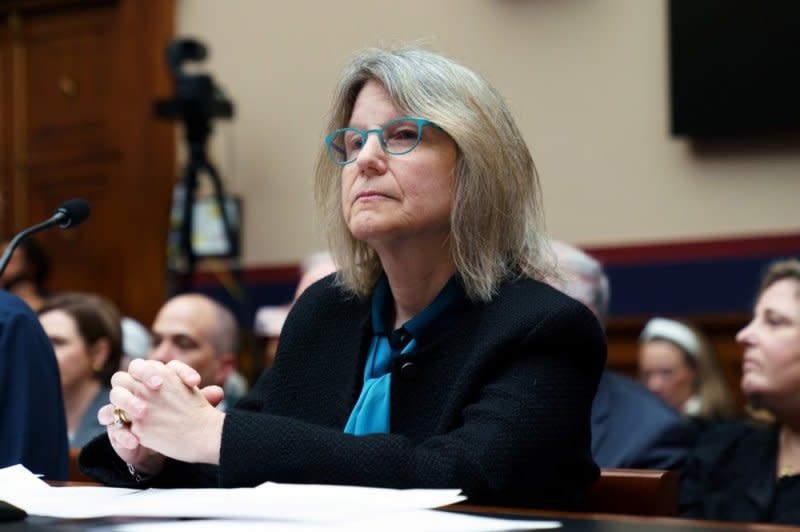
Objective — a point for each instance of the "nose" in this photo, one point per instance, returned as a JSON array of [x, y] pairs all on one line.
[[655, 383], [745, 336], [371, 159]]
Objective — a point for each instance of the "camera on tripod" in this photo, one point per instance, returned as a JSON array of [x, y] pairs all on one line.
[[207, 227], [197, 99]]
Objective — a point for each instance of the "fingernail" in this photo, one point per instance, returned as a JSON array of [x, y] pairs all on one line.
[[138, 407], [155, 380]]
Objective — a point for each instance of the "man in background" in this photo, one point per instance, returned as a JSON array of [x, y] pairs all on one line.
[[630, 426], [269, 319], [201, 333], [26, 274]]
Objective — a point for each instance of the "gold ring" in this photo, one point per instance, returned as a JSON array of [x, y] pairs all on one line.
[[120, 419]]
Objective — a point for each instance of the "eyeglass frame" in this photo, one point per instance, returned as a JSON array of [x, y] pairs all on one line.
[[421, 123]]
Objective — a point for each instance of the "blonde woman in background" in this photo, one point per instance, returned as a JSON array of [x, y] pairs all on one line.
[[750, 470], [678, 364]]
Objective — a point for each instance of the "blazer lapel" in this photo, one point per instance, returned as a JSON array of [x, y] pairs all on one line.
[[761, 490]]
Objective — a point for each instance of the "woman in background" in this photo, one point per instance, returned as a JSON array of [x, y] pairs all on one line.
[[86, 336], [749, 471], [678, 364]]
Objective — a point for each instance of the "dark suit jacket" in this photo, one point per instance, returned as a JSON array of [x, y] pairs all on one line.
[[730, 475], [33, 429], [631, 427], [497, 404]]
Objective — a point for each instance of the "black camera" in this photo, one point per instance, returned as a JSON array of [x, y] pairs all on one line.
[[197, 100]]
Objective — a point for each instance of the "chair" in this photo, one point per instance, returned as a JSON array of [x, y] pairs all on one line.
[[75, 474], [635, 491]]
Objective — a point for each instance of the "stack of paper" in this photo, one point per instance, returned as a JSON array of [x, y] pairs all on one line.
[[293, 506]]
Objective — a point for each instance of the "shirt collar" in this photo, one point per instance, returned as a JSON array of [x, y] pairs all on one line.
[[420, 326]]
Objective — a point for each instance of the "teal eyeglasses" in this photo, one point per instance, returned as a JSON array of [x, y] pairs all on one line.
[[397, 137]]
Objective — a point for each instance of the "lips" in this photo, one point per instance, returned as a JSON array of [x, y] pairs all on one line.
[[749, 364], [369, 194]]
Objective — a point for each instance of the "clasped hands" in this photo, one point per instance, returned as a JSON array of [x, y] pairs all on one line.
[[169, 416]]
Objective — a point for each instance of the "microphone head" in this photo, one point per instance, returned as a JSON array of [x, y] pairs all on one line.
[[73, 212]]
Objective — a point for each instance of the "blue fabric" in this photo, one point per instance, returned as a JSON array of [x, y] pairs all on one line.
[[370, 414], [631, 427], [33, 429], [89, 426]]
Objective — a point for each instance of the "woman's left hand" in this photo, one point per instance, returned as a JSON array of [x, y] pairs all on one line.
[[171, 415]]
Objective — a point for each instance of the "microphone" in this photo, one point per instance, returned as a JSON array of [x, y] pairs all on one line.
[[71, 213]]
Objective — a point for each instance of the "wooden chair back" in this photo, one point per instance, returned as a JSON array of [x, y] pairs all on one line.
[[75, 474], [635, 491]]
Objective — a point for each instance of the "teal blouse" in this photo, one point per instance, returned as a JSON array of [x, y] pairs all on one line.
[[371, 415]]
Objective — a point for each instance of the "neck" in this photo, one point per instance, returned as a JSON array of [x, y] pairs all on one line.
[[77, 399], [788, 452], [26, 291], [415, 280]]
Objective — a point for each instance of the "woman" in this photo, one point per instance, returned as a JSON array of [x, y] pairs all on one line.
[[678, 364], [745, 471], [433, 358], [86, 336]]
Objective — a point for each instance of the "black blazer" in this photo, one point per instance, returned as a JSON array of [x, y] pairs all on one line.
[[731, 476], [498, 404]]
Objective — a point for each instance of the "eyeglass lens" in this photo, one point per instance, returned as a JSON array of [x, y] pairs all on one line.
[[396, 137]]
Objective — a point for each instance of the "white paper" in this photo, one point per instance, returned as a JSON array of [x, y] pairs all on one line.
[[428, 520], [281, 502]]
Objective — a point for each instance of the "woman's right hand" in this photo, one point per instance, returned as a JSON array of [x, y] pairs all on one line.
[[124, 442], [126, 445]]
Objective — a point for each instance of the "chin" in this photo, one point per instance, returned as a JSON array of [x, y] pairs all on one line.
[[750, 384]]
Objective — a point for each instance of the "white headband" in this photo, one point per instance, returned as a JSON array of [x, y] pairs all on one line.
[[673, 331]]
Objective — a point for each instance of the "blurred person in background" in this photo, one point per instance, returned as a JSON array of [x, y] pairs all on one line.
[[26, 273], [269, 319], [678, 364], [203, 334], [630, 426], [136, 341], [33, 429], [86, 336], [749, 470]]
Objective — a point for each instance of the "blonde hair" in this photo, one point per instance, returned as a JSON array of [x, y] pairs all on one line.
[[716, 399], [497, 223], [779, 270]]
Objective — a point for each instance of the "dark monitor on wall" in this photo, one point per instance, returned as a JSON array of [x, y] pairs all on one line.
[[734, 67]]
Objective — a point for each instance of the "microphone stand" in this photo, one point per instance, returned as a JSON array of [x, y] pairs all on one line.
[[56, 218]]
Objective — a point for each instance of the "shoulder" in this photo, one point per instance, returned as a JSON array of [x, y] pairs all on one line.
[[325, 305], [19, 326], [730, 438], [545, 311], [326, 290], [12, 307], [655, 419], [732, 433], [627, 392]]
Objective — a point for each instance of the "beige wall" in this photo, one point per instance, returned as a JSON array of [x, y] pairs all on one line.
[[586, 79]]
